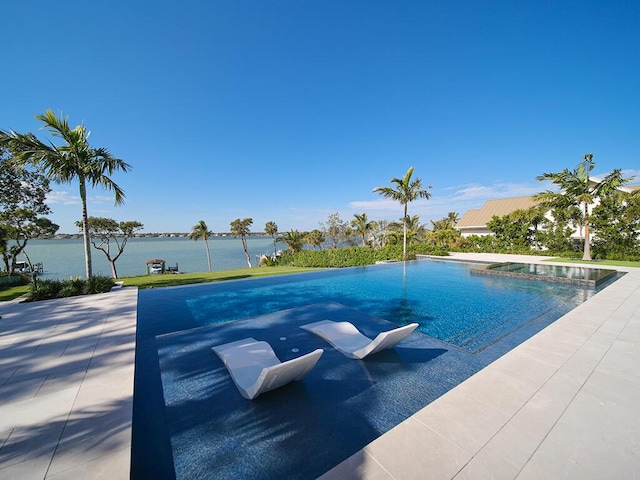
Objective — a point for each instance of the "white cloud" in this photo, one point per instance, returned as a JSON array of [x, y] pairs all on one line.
[[61, 197], [632, 173], [458, 199], [101, 199]]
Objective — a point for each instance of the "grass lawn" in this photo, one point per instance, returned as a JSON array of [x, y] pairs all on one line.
[[10, 293], [599, 263], [172, 280]]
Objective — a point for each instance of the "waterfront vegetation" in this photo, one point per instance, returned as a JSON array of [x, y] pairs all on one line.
[[546, 229]]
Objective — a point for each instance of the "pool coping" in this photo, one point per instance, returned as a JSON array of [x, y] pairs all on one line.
[[563, 404]]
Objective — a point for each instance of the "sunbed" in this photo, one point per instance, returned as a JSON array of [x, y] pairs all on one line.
[[255, 368], [348, 340]]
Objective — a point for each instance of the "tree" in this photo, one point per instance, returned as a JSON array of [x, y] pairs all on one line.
[[336, 230], [362, 226], [73, 160], [577, 188], [240, 228], [513, 231], [105, 232], [315, 238], [270, 228], [444, 232], [294, 240], [406, 191], [200, 230], [22, 204], [616, 227]]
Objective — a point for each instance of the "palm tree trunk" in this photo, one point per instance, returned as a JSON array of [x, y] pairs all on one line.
[[85, 229], [587, 242], [404, 234], [206, 244]]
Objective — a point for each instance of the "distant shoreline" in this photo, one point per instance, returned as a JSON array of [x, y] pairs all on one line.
[[66, 236]]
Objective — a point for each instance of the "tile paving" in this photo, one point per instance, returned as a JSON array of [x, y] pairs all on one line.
[[66, 387]]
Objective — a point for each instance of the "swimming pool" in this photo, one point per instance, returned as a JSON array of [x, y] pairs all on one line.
[[190, 420]]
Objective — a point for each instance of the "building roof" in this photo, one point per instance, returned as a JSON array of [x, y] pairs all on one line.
[[499, 207]]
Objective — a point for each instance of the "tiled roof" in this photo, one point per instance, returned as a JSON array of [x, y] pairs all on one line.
[[499, 207]]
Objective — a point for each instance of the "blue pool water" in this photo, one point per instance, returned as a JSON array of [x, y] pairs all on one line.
[[190, 421]]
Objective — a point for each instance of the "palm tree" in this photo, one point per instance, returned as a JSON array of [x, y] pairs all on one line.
[[270, 228], [453, 218], [74, 160], [201, 230], [405, 191], [315, 238], [240, 228], [362, 226], [578, 189], [294, 240]]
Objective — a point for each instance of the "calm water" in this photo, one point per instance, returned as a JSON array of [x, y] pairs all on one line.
[[65, 258], [448, 303]]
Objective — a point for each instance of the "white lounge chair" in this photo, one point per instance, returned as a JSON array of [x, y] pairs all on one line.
[[255, 368], [346, 338]]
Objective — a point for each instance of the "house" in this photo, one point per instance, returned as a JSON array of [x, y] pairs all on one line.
[[474, 222]]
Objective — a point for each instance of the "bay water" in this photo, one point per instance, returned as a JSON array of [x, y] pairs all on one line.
[[64, 258]]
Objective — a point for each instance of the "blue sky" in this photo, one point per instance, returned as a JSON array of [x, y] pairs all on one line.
[[291, 111]]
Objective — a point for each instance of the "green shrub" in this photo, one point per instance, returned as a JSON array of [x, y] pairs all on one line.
[[45, 289], [48, 289], [98, 284], [356, 256]]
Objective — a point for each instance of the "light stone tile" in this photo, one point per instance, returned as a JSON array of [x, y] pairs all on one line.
[[610, 388], [32, 441], [90, 439], [106, 386], [13, 391], [109, 467], [581, 365], [359, 466], [411, 450], [503, 392], [621, 361], [61, 381], [524, 367], [37, 410], [33, 469], [595, 438], [463, 420], [551, 351]]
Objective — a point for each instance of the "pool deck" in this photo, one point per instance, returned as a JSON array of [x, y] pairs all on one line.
[[564, 404], [66, 387]]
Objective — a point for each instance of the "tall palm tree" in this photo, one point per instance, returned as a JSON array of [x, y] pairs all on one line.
[[405, 191], [201, 230], [362, 226], [241, 228], [73, 160], [270, 228], [578, 189]]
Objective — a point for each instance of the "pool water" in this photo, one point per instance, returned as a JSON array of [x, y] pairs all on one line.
[[447, 302], [191, 422]]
